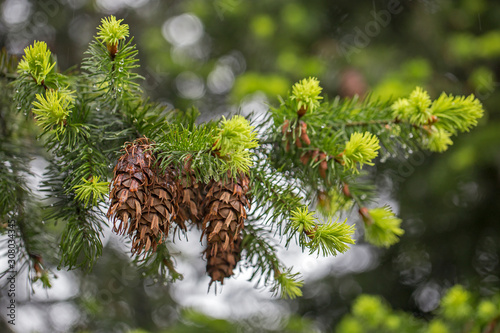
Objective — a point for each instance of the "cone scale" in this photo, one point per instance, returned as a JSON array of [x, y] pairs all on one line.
[[225, 204]]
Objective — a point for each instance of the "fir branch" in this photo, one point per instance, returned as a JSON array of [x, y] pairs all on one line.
[[288, 284], [259, 252], [306, 95], [335, 200], [52, 109], [309, 149], [382, 227], [180, 147], [37, 63], [303, 221], [331, 238], [91, 191], [28, 240], [280, 203], [328, 238], [111, 32], [158, 264], [233, 140], [35, 244], [147, 119], [456, 114], [276, 200], [372, 122], [80, 241], [113, 80], [361, 148]]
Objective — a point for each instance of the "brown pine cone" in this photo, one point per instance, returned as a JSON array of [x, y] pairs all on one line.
[[226, 203]]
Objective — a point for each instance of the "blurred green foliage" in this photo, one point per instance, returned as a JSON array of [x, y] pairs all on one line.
[[458, 312]]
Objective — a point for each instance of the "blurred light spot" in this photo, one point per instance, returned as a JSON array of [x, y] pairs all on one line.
[[115, 5], [34, 319], [254, 103], [190, 85], [15, 11], [469, 191], [110, 5], [235, 60], [485, 262], [414, 266], [452, 77], [349, 289], [164, 316], [270, 317], [234, 300], [288, 61], [183, 54], [136, 3], [75, 4], [81, 29], [359, 258], [38, 167], [64, 288], [263, 26], [294, 15], [64, 315], [220, 80], [414, 227], [427, 297], [185, 29], [486, 257]]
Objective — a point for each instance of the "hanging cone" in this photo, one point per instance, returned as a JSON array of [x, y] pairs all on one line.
[[190, 203], [141, 201], [191, 195], [222, 264], [162, 199], [226, 204]]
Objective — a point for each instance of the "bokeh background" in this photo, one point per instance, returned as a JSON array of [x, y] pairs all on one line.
[[237, 55]]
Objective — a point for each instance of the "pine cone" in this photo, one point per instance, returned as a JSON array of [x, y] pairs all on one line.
[[132, 175], [226, 204], [162, 199], [191, 194], [221, 265], [141, 199], [190, 202]]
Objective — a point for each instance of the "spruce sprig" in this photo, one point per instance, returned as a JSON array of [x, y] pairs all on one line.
[[382, 227], [52, 109], [456, 113], [36, 62], [361, 148], [331, 238], [233, 140], [288, 285], [306, 95], [91, 191], [303, 220], [111, 31]]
